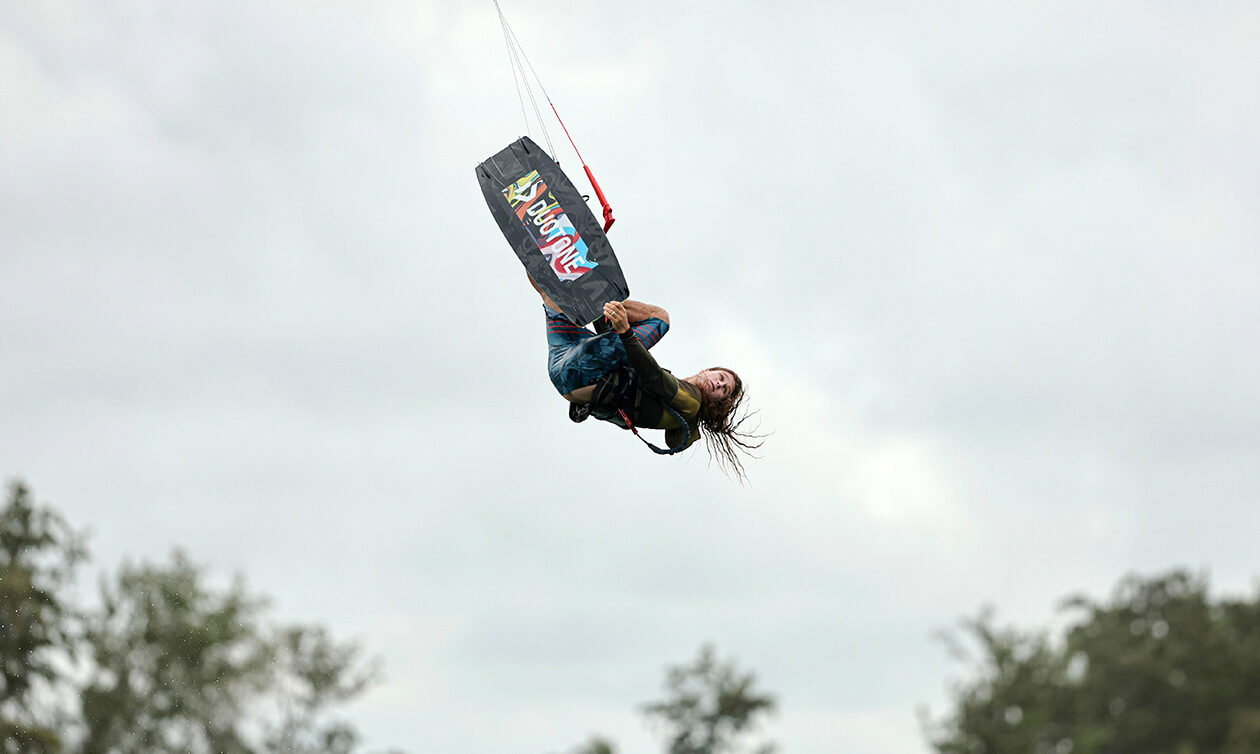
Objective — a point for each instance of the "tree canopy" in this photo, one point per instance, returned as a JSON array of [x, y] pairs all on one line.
[[167, 663], [711, 706], [39, 554], [1159, 667]]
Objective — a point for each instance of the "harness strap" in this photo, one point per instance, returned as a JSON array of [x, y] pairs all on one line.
[[659, 451], [619, 388]]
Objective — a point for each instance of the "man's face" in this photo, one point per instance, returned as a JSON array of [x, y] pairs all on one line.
[[716, 384]]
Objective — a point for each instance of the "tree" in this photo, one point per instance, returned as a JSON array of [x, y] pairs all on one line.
[[596, 745], [1160, 667], [317, 673], [167, 664], [179, 667], [709, 706], [39, 554]]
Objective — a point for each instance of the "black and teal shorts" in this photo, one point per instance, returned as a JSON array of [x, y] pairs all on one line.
[[577, 357]]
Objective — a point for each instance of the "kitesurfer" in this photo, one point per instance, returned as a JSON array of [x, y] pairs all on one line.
[[580, 362]]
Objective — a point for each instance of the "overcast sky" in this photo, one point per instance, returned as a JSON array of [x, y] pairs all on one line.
[[989, 271]]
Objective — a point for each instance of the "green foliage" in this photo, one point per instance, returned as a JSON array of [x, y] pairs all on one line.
[[168, 663], [175, 663], [39, 553], [180, 667], [596, 745], [1159, 667], [709, 706], [317, 673]]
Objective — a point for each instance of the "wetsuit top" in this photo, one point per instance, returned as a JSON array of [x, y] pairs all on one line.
[[658, 387]]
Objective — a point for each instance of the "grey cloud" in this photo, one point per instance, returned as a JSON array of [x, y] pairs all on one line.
[[989, 270]]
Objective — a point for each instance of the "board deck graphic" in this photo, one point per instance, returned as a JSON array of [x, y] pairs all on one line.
[[552, 230]]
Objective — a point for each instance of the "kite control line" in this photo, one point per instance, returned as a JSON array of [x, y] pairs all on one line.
[[519, 61], [603, 201]]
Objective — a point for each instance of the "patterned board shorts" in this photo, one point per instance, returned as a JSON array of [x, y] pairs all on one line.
[[577, 357]]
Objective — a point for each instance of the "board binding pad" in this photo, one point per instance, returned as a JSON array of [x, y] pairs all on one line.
[[552, 230]]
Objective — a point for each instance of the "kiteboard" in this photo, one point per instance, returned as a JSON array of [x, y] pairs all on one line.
[[554, 234]]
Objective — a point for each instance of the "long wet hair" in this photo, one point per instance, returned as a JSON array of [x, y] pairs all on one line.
[[722, 425]]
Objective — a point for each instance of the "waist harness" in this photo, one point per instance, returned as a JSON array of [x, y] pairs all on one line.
[[616, 396]]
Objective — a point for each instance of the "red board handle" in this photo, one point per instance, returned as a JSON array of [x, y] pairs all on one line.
[[608, 215]]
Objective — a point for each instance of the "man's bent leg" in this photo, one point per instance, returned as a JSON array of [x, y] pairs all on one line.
[[581, 396], [637, 311], [546, 299]]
